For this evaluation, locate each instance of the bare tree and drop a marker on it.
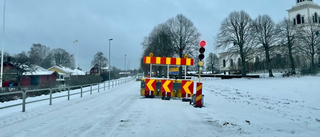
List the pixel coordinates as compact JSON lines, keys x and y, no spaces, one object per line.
{"x":99,"y":60}
{"x":309,"y":39}
{"x":236,"y":35}
{"x":62,"y":57}
{"x":264,"y":29}
{"x":159,"y":43}
{"x":38,"y":53}
{"x":184,"y":35}
{"x":212,"y":62}
{"x":287,"y":34}
{"x":177,"y":36}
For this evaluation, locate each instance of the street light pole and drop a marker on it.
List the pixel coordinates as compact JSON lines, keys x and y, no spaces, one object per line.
{"x":109,"y":62}
{"x":125,"y":67}
{"x":4,"y":13}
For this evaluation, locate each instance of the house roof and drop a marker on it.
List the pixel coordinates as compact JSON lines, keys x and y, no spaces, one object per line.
{"x":68,"y":70}
{"x":37,"y":70}
{"x":77,"y":72}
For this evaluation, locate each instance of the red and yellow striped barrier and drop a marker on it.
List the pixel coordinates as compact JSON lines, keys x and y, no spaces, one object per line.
{"x":199,"y":95}
{"x":168,"y":61}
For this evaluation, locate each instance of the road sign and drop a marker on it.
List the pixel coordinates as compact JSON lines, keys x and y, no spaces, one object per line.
{"x":187,"y":87}
{"x":166,"y":85}
{"x":150,"y":85}
{"x":174,"y":71}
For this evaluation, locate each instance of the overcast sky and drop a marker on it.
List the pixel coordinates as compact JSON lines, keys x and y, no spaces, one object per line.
{"x":57,"y":23}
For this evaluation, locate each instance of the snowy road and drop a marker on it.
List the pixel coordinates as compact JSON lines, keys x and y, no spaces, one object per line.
{"x":238,"y":107}
{"x":114,"y":112}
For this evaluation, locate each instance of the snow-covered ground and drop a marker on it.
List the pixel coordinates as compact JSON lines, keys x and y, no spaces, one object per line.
{"x":235,"y":107}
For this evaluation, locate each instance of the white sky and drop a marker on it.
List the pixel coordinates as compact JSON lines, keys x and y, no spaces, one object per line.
{"x":57,"y":23}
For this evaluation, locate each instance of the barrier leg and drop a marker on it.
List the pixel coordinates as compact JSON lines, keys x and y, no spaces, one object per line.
{"x":199,"y":95}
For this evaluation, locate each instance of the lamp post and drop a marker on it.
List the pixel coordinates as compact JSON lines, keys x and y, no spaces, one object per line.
{"x":109,"y":62}
{"x":4,"y":13}
{"x":125,"y":67}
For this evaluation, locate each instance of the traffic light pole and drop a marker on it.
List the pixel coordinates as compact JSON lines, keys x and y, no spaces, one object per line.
{"x":199,"y":73}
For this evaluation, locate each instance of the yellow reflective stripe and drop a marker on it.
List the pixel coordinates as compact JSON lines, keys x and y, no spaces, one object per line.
{"x":178,"y":61}
{"x":158,"y":60}
{"x":199,"y":87}
{"x":148,"y":59}
{"x":188,"y":62}
{"x":198,"y":98}
{"x":168,"y":61}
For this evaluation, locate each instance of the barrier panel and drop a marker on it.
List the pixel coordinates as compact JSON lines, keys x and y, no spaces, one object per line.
{"x":199,"y":97}
{"x":166,"y":87}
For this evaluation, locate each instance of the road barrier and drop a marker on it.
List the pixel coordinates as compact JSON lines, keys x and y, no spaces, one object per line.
{"x":199,"y":97}
{"x":84,"y":89}
{"x":151,"y":87}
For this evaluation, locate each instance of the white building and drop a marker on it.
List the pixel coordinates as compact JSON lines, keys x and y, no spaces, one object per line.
{"x":303,"y":11}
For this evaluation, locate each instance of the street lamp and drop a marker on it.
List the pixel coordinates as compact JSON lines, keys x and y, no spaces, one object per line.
{"x":125,"y":67}
{"x":4,"y":13}
{"x":109,"y":62}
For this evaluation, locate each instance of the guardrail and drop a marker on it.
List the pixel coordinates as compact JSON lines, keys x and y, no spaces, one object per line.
{"x":83,"y":89}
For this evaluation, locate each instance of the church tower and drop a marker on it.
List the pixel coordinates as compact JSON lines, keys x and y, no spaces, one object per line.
{"x":303,"y":11}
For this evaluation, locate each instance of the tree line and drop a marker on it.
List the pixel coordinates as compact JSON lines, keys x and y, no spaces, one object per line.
{"x":45,"y":57}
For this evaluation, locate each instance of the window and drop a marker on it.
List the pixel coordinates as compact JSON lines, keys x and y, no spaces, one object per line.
{"x":302,"y":20}
{"x":257,"y":59}
{"x":294,"y":21}
{"x":298,"y":19}
{"x":224,"y":63}
{"x":231,"y":62}
{"x":315,"y":18}
{"x":239,"y":62}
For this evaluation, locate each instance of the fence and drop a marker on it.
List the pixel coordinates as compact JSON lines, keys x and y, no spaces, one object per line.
{"x":83,"y":89}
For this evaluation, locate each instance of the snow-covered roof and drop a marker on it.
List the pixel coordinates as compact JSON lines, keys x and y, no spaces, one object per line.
{"x":77,"y":72}
{"x":37,"y":70}
{"x":63,"y":69}
{"x":69,"y":70}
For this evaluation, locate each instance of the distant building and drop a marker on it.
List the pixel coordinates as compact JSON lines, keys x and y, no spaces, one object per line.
{"x":303,"y":11}
{"x":97,"y":70}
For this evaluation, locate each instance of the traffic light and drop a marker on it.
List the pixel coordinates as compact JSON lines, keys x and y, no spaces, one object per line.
{"x":202,"y":50}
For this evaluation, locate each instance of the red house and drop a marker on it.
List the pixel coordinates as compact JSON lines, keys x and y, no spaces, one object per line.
{"x":39,"y":77}
{"x":97,"y":70}
{"x":36,"y":76}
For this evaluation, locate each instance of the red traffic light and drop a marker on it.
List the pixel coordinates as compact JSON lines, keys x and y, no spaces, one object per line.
{"x":202,"y":43}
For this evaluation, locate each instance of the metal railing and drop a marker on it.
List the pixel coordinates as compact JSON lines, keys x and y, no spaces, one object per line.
{"x":83,"y":89}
